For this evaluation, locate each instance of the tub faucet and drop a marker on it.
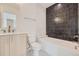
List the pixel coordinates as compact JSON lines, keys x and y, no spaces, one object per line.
{"x":77,"y":37}
{"x":76,"y":47}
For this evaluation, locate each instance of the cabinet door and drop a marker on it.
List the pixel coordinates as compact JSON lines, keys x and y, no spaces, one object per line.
{"x":4,"y":45}
{"x":18,"y":45}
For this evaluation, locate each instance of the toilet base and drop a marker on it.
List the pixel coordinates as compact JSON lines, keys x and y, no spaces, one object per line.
{"x":36,"y":48}
{"x":35,"y":52}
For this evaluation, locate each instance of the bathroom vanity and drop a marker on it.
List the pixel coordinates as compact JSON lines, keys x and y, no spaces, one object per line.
{"x":13,"y":44}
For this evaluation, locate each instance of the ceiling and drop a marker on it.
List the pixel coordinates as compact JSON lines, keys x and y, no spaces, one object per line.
{"x":45,"y":5}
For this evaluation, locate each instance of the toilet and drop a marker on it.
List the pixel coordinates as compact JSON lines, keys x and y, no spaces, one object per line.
{"x":35,"y":46}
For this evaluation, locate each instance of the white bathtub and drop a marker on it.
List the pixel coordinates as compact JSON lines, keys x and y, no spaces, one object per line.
{"x":57,"y":47}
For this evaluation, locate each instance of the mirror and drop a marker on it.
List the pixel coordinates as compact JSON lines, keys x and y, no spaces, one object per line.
{"x":8,"y":17}
{"x":9,"y":22}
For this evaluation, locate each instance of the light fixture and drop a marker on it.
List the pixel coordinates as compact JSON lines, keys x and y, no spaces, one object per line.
{"x":59,"y":6}
{"x":58,"y":20}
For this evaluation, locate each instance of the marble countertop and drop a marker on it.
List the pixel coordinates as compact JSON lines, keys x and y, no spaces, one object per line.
{"x":12,"y":33}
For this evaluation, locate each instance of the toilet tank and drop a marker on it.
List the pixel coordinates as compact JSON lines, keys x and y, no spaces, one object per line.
{"x":32,"y":38}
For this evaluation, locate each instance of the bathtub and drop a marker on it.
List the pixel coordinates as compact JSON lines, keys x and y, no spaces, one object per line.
{"x":57,"y":47}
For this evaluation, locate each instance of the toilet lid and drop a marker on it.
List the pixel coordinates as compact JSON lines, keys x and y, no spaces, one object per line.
{"x":36,"y":45}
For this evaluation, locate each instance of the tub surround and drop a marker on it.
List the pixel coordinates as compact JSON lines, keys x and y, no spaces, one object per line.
{"x":62,"y":21}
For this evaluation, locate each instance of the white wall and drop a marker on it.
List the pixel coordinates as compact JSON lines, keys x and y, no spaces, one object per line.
{"x":36,"y":13}
{"x":78,"y":18}
{"x":41,"y":20}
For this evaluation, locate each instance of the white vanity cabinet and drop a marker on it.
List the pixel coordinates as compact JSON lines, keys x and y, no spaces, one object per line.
{"x":13,"y":45}
{"x":4,"y":45}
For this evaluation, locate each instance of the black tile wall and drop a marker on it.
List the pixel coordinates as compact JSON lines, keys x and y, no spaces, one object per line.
{"x":65,"y":28}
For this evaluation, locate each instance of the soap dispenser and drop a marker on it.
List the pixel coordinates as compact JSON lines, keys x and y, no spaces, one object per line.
{"x":9,"y":28}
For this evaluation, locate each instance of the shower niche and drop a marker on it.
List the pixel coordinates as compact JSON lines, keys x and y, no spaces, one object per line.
{"x":62,"y":21}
